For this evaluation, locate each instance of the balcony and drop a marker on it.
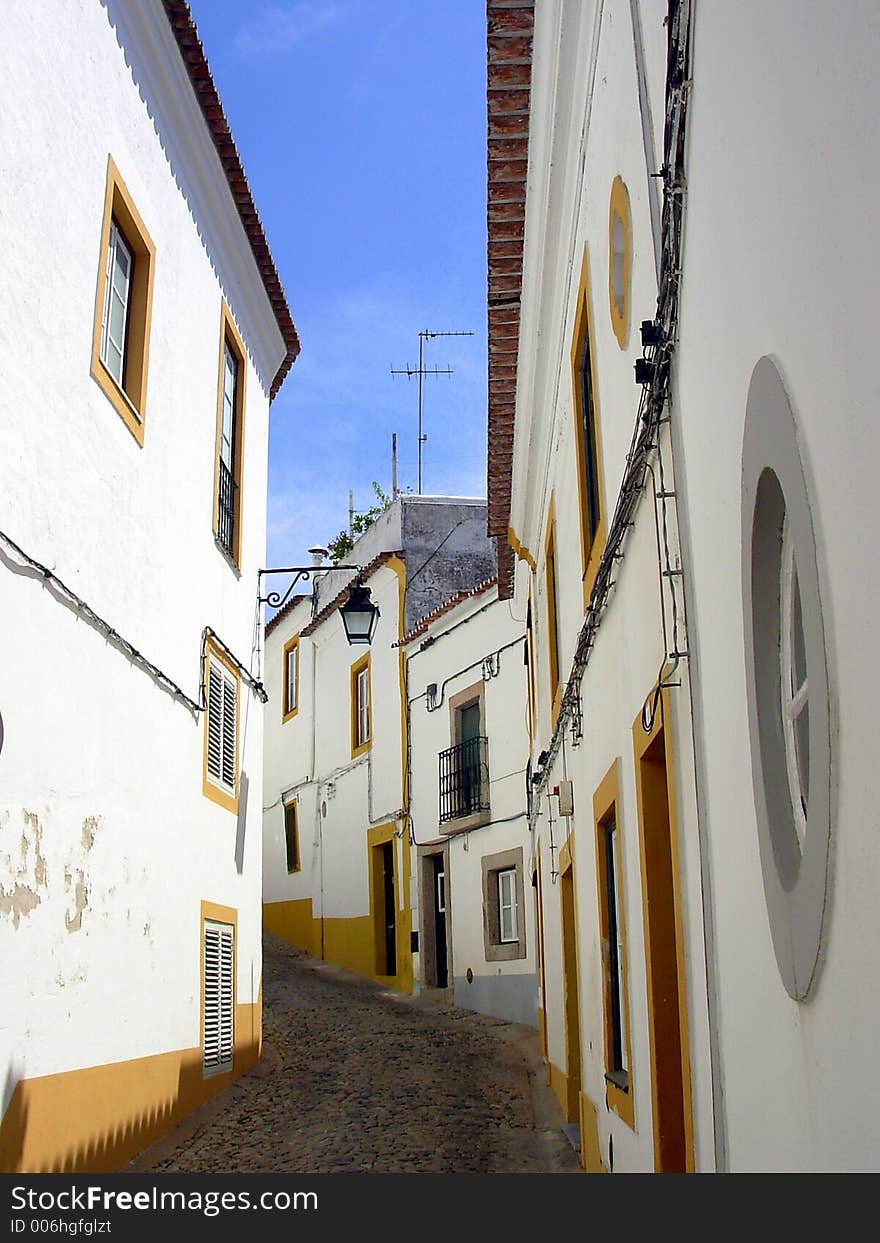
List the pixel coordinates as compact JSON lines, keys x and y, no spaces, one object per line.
{"x":464,"y":784}
{"x":226,"y":508}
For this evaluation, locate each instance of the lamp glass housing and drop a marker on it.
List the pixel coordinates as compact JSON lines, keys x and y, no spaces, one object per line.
{"x":359,"y":615}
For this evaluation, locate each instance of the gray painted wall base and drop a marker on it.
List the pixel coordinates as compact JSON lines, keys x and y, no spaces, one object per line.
{"x":511,"y":997}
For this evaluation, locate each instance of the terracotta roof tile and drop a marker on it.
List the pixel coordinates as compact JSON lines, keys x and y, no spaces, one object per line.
{"x":193,"y":56}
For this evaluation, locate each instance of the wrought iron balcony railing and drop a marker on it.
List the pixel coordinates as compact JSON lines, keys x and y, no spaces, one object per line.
{"x":464,"y":779}
{"x":226,"y":507}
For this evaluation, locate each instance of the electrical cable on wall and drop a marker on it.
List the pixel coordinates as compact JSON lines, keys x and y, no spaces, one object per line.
{"x":653,"y":373}
{"x":51,"y":580}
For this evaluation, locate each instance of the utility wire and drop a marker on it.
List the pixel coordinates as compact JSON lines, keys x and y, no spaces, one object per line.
{"x":59,"y":587}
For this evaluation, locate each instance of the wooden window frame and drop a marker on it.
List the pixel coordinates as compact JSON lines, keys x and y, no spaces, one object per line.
{"x":210,"y":788}
{"x":619,"y":1091}
{"x":291,"y":829}
{"x":287,"y":713}
{"x":229,"y":337}
{"x":492,"y":866}
{"x":360,"y":745}
{"x":129,"y":399}
{"x":212,"y":913}
{"x":592,"y":542}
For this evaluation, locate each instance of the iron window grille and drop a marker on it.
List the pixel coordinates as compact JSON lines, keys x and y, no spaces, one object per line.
{"x":226,"y":507}
{"x":464,"y":779}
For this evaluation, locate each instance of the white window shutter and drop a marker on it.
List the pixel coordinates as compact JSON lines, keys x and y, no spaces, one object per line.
{"x":215,"y":722}
{"x":218,"y":1032}
{"x":230,"y":696}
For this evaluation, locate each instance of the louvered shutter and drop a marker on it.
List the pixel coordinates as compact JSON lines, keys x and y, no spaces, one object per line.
{"x":230,"y":692}
{"x":215,"y":722}
{"x":218,"y":1034}
{"x":222,"y":726}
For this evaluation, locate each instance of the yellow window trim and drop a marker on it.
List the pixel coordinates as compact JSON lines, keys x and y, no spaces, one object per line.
{"x":212,"y":911}
{"x":359,"y":748}
{"x":209,"y":789}
{"x":618,"y":209}
{"x":292,"y":805}
{"x":128,"y":402}
{"x":289,"y":647}
{"x":229,"y":334}
{"x":606,"y":806}
{"x":591,"y":547}
{"x":552,"y":585}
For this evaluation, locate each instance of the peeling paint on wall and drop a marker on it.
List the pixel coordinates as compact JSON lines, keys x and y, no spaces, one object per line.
{"x":22,"y":879}
{"x":73,"y":922}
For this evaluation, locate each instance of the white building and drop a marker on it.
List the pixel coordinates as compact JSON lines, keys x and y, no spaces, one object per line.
{"x":469,"y":747}
{"x":700,"y":608}
{"x":338,"y":858}
{"x":143,"y":332}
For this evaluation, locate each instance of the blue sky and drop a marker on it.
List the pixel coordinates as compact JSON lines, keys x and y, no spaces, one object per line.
{"x":361,"y":127}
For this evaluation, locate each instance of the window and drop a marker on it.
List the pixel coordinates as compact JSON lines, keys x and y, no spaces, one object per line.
{"x":290,"y":679}
{"x":123,"y":306}
{"x":606,"y":802}
{"x":463,"y":768}
{"x":220,"y":781}
{"x":619,"y":260}
{"x":230,"y":428}
{"x":787,"y":681}
{"x":361,"y":707}
{"x":586,"y":426}
{"x":291,"y":836}
{"x":552,"y":613}
{"x":218,"y":996}
{"x":507,"y":925}
{"x":504,"y":936}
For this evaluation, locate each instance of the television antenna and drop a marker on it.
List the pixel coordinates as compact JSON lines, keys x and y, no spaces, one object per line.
{"x":421,"y":371}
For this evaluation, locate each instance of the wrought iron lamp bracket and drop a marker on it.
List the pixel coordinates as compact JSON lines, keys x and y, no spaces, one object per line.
{"x":276,"y":600}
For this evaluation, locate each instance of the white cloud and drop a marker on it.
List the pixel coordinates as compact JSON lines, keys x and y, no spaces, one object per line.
{"x":278,"y":28}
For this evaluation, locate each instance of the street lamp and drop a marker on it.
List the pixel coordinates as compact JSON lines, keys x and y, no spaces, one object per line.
{"x":359,"y":613}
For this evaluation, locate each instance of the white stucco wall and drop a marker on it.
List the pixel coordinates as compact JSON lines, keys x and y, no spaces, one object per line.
{"x":103,"y":827}
{"x":360,"y":792}
{"x":780,"y":260}
{"x":586,"y":129}
{"x":450,"y":653}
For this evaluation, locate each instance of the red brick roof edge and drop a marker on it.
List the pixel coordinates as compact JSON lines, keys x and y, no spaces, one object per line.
{"x":341,"y":596}
{"x":192,"y":53}
{"x":282,"y":613}
{"x":510,"y":26}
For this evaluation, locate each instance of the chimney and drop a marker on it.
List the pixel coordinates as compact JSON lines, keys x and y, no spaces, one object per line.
{"x":318,"y":553}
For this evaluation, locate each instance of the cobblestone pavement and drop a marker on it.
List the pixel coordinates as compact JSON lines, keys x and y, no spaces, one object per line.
{"x":357,"y":1079}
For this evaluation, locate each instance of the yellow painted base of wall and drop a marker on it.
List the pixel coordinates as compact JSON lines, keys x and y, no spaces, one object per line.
{"x":97,"y":1119}
{"x":559,"y":1084}
{"x":591,"y":1156}
{"x":349,"y":943}
{"x":293,"y":922}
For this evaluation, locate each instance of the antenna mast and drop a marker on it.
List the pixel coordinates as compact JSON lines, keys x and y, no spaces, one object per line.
{"x":422,"y":371}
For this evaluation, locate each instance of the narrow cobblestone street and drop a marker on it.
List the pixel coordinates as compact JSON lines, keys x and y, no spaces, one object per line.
{"x":357,"y":1079}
